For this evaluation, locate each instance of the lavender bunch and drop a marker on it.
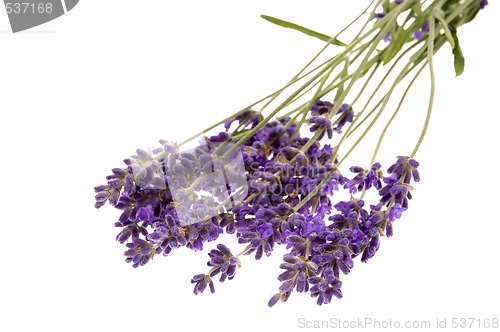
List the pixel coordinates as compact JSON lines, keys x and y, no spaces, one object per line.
{"x":269,"y":181}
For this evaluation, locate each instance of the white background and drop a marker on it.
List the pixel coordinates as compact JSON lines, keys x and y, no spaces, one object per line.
{"x":81,"y":93}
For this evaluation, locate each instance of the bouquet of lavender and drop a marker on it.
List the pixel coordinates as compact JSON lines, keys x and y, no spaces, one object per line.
{"x":275,"y":174}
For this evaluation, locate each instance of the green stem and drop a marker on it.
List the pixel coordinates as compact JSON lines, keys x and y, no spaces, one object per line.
{"x":430,"y":56}
{"x":406,"y":70}
{"x":382,"y":134}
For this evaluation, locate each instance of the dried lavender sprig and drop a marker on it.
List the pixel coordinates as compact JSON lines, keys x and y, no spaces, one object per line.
{"x":294,"y":218}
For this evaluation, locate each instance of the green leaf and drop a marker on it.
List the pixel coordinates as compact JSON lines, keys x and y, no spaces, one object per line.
{"x":459,"y":60}
{"x":309,"y":32}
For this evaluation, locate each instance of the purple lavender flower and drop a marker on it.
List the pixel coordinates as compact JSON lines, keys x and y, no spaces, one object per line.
{"x":378,"y":16}
{"x":295,"y":277}
{"x":371,"y":248}
{"x":139,"y":252}
{"x":395,"y":212}
{"x":144,"y":213}
{"x":221,"y":261}
{"x":320,"y":113}
{"x":419,"y":34}
{"x":201,"y":281}
{"x":397,"y":191}
{"x":321,"y":123}
{"x":246,"y":118}
{"x":280,"y":173}
{"x":321,"y":107}
{"x":326,"y":287}
{"x":346,"y":115}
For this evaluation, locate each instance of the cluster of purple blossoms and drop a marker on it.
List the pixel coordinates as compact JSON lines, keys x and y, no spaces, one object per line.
{"x":274,"y":188}
{"x":321,"y":118}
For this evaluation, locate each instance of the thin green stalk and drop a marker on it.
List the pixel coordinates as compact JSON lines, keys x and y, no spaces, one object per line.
{"x":350,"y":131}
{"x":406,"y":70}
{"x":273,"y":113}
{"x":430,"y":56}
{"x":386,"y":127}
{"x":347,"y":50}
